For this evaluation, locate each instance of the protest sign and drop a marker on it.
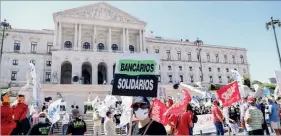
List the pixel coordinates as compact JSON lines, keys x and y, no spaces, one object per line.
{"x":205,"y":124}
{"x":54,"y":110}
{"x":136,"y":75}
{"x":229,"y":94}
{"x":158,"y":109}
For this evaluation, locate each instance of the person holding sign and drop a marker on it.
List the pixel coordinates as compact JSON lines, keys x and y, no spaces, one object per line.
{"x":42,"y":127}
{"x":146,"y":126}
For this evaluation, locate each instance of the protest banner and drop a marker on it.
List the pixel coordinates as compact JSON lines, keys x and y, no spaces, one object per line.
{"x":158,"y":109}
{"x":136,"y":75}
{"x":229,"y":94}
{"x":205,"y":124}
{"x":278,"y":80}
{"x":54,"y":110}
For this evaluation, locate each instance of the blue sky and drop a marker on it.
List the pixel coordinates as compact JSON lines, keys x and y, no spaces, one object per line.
{"x":228,"y":23}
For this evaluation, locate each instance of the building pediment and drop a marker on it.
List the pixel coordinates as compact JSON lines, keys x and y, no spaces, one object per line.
{"x":99,"y":11}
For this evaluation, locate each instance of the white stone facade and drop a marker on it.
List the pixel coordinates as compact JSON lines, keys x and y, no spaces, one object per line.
{"x":86,"y":41}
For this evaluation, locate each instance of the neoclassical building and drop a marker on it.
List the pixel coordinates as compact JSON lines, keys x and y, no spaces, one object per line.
{"x":87,"y":40}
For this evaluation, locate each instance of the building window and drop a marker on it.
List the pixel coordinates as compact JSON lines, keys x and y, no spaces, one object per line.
{"x":15,"y":62}
{"x":48,"y":77}
{"x":244,"y":70}
{"x":179,"y":55}
{"x":220,"y":80}
{"x":156,"y":50}
{"x":49,"y":46}
{"x":208,"y":57}
{"x":86,"y":45}
{"x":33,"y":62}
{"x":227,"y":69}
{"x":228,"y":78}
{"x":159,"y":67}
{"x":211,"y":79}
{"x":169,"y":68}
{"x":17,"y":46}
{"x":191,"y":79}
{"x":114,"y":47}
{"x":14,"y":75}
{"x":190,"y":68}
{"x":131,"y":48}
{"x":219,"y":69}
{"x":242,"y":59}
{"x":180,"y":68}
{"x":100,"y":46}
{"x":235,"y":69}
{"x":217,"y":58}
{"x":189,"y":56}
{"x":159,"y":78}
{"x":48,"y":63}
{"x":210,"y":69}
{"x":225,"y":58}
{"x":33,"y":46}
{"x":68,"y":44}
{"x":168,"y":54}
{"x":170,"y":79}
{"x":181,"y":78}
{"x":198,"y":56}
{"x":233,"y":58}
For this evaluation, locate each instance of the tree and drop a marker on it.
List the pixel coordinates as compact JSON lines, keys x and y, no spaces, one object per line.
{"x":256,"y":82}
{"x":247,"y":81}
{"x":230,"y":80}
{"x":268,"y":85}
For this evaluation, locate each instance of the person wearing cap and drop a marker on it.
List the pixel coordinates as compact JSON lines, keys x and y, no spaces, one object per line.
{"x":145,"y":126}
{"x":77,"y":126}
{"x":20,"y":111}
{"x":218,"y":118}
{"x":253,"y":118}
{"x":42,"y":127}
{"x":274,"y":116}
{"x":7,"y":122}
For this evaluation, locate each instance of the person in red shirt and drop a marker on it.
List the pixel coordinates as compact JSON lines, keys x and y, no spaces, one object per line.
{"x":181,"y":123}
{"x":218,"y":118}
{"x":20,"y":111}
{"x":7,"y":122}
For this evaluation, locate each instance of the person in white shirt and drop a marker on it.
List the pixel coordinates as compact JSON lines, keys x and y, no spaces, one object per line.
{"x":109,"y":125}
{"x":65,"y":121}
{"x":97,"y":123}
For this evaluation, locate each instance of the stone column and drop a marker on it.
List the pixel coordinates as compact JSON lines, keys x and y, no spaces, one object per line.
{"x":75,"y":36}
{"x":94,"y":39}
{"x":140,"y":48}
{"x":109,"y":40}
{"x":55,"y":43}
{"x":79,"y":37}
{"x":94,"y":74}
{"x":124,"y":40}
{"x":60,"y":34}
{"x":127,"y":39}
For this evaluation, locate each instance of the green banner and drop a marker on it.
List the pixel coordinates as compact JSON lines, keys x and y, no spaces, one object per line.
{"x":137,"y":67}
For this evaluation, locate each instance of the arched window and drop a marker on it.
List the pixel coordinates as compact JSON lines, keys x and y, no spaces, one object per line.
{"x":242,"y":59}
{"x":100,"y":46}
{"x":86,"y":45}
{"x":114,"y":47}
{"x":131,"y":48}
{"x":67,"y":44}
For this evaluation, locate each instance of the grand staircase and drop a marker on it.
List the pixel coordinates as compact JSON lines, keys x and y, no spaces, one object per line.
{"x":88,"y":118}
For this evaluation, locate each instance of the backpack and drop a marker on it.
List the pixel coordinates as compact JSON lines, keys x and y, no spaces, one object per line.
{"x":194,"y":118}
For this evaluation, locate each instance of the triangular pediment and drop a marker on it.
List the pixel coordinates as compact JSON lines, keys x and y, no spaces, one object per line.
{"x":100,"y":11}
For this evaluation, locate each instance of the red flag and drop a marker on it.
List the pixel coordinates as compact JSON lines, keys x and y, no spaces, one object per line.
{"x":178,"y":107}
{"x":229,"y":94}
{"x":158,"y":109}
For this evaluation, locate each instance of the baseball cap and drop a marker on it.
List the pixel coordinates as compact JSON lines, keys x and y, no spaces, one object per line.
{"x":75,"y":111}
{"x":141,"y":100}
{"x":251,"y":99}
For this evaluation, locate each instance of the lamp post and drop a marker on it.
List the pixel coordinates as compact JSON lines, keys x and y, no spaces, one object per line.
{"x":198,"y":43}
{"x":273,"y":23}
{"x":4,"y":27}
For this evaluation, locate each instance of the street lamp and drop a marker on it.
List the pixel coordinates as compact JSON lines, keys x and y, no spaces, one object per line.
{"x":273,"y":23}
{"x":4,"y":27}
{"x":198,"y":43}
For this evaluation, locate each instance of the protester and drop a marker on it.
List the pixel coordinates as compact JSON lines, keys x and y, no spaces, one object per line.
{"x":109,"y":126}
{"x":261,"y":106}
{"x":243,"y":108}
{"x":192,"y":117}
{"x":233,"y":120}
{"x":35,"y":117}
{"x":97,"y":123}
{"x":145,"y":126}
{"x":218,"y":118}
{"x":7,"y":122}
{"x":77,"y":126}
{"x":169,"y":129}
{"x":253,"y":118}
{"x":274,"y":116}
{"x":65,"y":121}
{"x":42,"y":127}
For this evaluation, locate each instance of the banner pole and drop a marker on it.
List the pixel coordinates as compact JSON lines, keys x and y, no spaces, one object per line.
{"x":131,"y":119}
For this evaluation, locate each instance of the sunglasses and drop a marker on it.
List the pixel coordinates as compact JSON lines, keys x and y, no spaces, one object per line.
{"x":140,"y":105}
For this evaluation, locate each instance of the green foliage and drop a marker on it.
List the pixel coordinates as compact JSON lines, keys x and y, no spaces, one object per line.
{"x":247,"y":81}
{"x":231,"y":80}
{"x":268,"y":85}
{"x":256,"y":82}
